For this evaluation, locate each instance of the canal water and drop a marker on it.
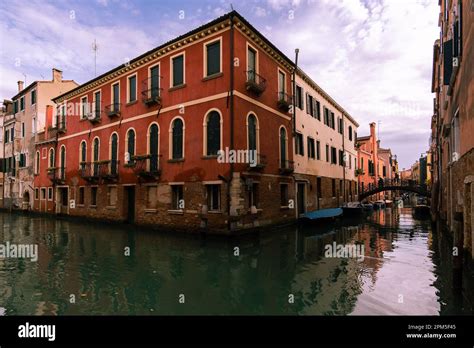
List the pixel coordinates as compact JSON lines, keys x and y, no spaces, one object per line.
{"x":85,"y":268}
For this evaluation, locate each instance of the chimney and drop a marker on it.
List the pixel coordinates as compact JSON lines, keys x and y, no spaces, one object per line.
{"x":20,"y":86}
{"x":372,"y":130}
{"x":49,"y":121}
{"x":378,"y":144}
{"x":57,"y":75}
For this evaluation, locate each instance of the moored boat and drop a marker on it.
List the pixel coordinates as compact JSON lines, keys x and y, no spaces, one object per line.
{"x":367,"y":206}
{"x":380,"y":204}
{"x":352,"y":209}
{"x":321,"y":214}
{"x":388,"y":203}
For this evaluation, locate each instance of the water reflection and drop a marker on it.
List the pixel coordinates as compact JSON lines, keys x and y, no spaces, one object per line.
{"x":406,"y":270}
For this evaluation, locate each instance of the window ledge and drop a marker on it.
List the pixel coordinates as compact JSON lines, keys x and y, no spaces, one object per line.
{"x":176,"y":212}
{"x":213,"y":76}
{"x":176,"y":160}
{"x":284,"y":207}
{"x":208,"y":157}
{"x":131,"y":103}
{"x":79,"y":205}
{"x":93,"y":206}
{"x":150,"y":210}
{"x":174,"y":88}
{"x":214,"y":212}
{"x":111,"y":207}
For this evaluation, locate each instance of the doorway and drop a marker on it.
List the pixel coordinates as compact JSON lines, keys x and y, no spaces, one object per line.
{"x":301,"y":201}
{"x":63,"y":200}
{"x":129,"y":204}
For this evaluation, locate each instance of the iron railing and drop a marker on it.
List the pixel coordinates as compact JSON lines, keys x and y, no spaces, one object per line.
{"x":254,"y":82}
{"x":151,"y":94}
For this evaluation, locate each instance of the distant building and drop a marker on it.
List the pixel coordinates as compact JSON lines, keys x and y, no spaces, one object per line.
{"x":20,"y":131}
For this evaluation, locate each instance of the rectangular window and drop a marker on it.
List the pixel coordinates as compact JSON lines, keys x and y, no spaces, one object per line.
{"x":299,"y":97}
{"x":251,"y":64}
{"x":36,"y":193}
{"x":214,"y":197}
{"x":115,"y":96}
{"x":299,"y":144}
{"x":283,"y":195}
{"x":50,"y":193}
{"x":15,"y":107}
{"x":327,"y":153}
{"x":81,"y":196}
{"x":318,"y":150}
{"x":333,"y":155}
{"x":22,"y":103}
{"x":112,"y":196}
{"x":213,"y":54}
{"x":341,"y":158}
{"x":253,"y":196}
{"x":177,"y":197}
{"x":326,"y":116}
{"x":132,"y":88}
{"x":151,"y":197}
{"x":12,"y":133}
{"x":43,"y":193}
{"x":340,"y":127}
{"x":178,"y":70}
{"x":33,"y":97}
{"x":311,"y":149}
{"x":93,"y":196}
{"x":97,"y":104}
{"x":281,"y":83}
{"x":334,"y":187}
{"x":384,"y":171}
{"x":317,"y":108}
{"x":84,"y":107}
{"x":333,"y":121}
{"x":340,"y":188}
{"x":23,"y":129}
{"x":7,"y":135}
{"x":350,"y":162}
{"x":22,"y":163}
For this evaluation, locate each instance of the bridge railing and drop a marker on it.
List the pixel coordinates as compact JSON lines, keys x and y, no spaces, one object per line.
{"x":391,"y":183}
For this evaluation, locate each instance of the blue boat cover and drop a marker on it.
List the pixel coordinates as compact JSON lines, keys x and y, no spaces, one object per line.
{"x":323,"y":213}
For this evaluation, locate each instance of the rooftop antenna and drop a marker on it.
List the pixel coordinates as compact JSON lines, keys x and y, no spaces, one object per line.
{"x":95,"y":47}
{"x":24,"y":77}
{"x":232,"y":7}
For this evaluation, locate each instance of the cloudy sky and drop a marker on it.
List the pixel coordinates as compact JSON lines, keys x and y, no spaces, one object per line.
{"x":372,"y":56}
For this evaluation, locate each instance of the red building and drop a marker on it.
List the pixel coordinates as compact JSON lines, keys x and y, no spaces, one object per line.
{"x":141,"y":142}
{"x":368,"y":171}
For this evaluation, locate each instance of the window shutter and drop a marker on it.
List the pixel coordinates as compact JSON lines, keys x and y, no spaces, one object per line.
{"x":448,"y":61}
{"x":456,"y":39}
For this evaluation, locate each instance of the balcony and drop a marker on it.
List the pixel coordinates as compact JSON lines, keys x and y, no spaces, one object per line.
{"x":57,"y":175}
{"x":151,"y":93}
{"x":61,"y":124}
{"x":284,"y":101}
{"x":108,"y":170}
{"x":95,"y":116}
{"x":255,"y":83}
{"x":286,"y":167}
{"x":260,"y":163}
{"x":113,"y":110}
{"x":146,"y":166}
{"x":89,"y":171}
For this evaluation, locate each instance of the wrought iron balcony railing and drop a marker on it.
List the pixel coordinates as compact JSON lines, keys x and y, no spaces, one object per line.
{"x":95,"y":115}
{"x":61,"y":124}
{"x":146,"y":166}
{"x":57,"y":175}
{"x":113,"y":110}
{"x":151,"y":92}
{"x":255,"y":83}
{"x":89,"y":171}
{"x":259,"y":162}
{"x":284,"y":101}
{"x":286,"y":166}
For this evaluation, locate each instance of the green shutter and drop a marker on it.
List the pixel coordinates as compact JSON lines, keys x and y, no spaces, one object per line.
{"x":213,"y":58}
{"x":178,"y":70}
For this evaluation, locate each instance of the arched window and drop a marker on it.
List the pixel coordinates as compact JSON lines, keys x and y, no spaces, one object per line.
{"x":51,"y":158}
{"x":177,"y":139}
{"x":213,"y":133}
{"x":130,"y":144}
{"x":114,"y":154}
{"x":283,"y":151}
{"x":37,"y":162}
{"x":350,"y":133}
{"x":62,"y":171}
{"x":95,"y":156}
{"x":82,"y":155}
{"x":153,"y":147}
{"x":252,"y":132}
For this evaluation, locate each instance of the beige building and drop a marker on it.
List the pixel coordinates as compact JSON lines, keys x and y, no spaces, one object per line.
{"x":324,"y":151}
{"x":19,"y":136}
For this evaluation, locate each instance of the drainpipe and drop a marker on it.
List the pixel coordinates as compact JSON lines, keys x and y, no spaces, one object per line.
{"x":297,"y":51}
{"x":231,"y":107}
{"x":344,"y":163}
